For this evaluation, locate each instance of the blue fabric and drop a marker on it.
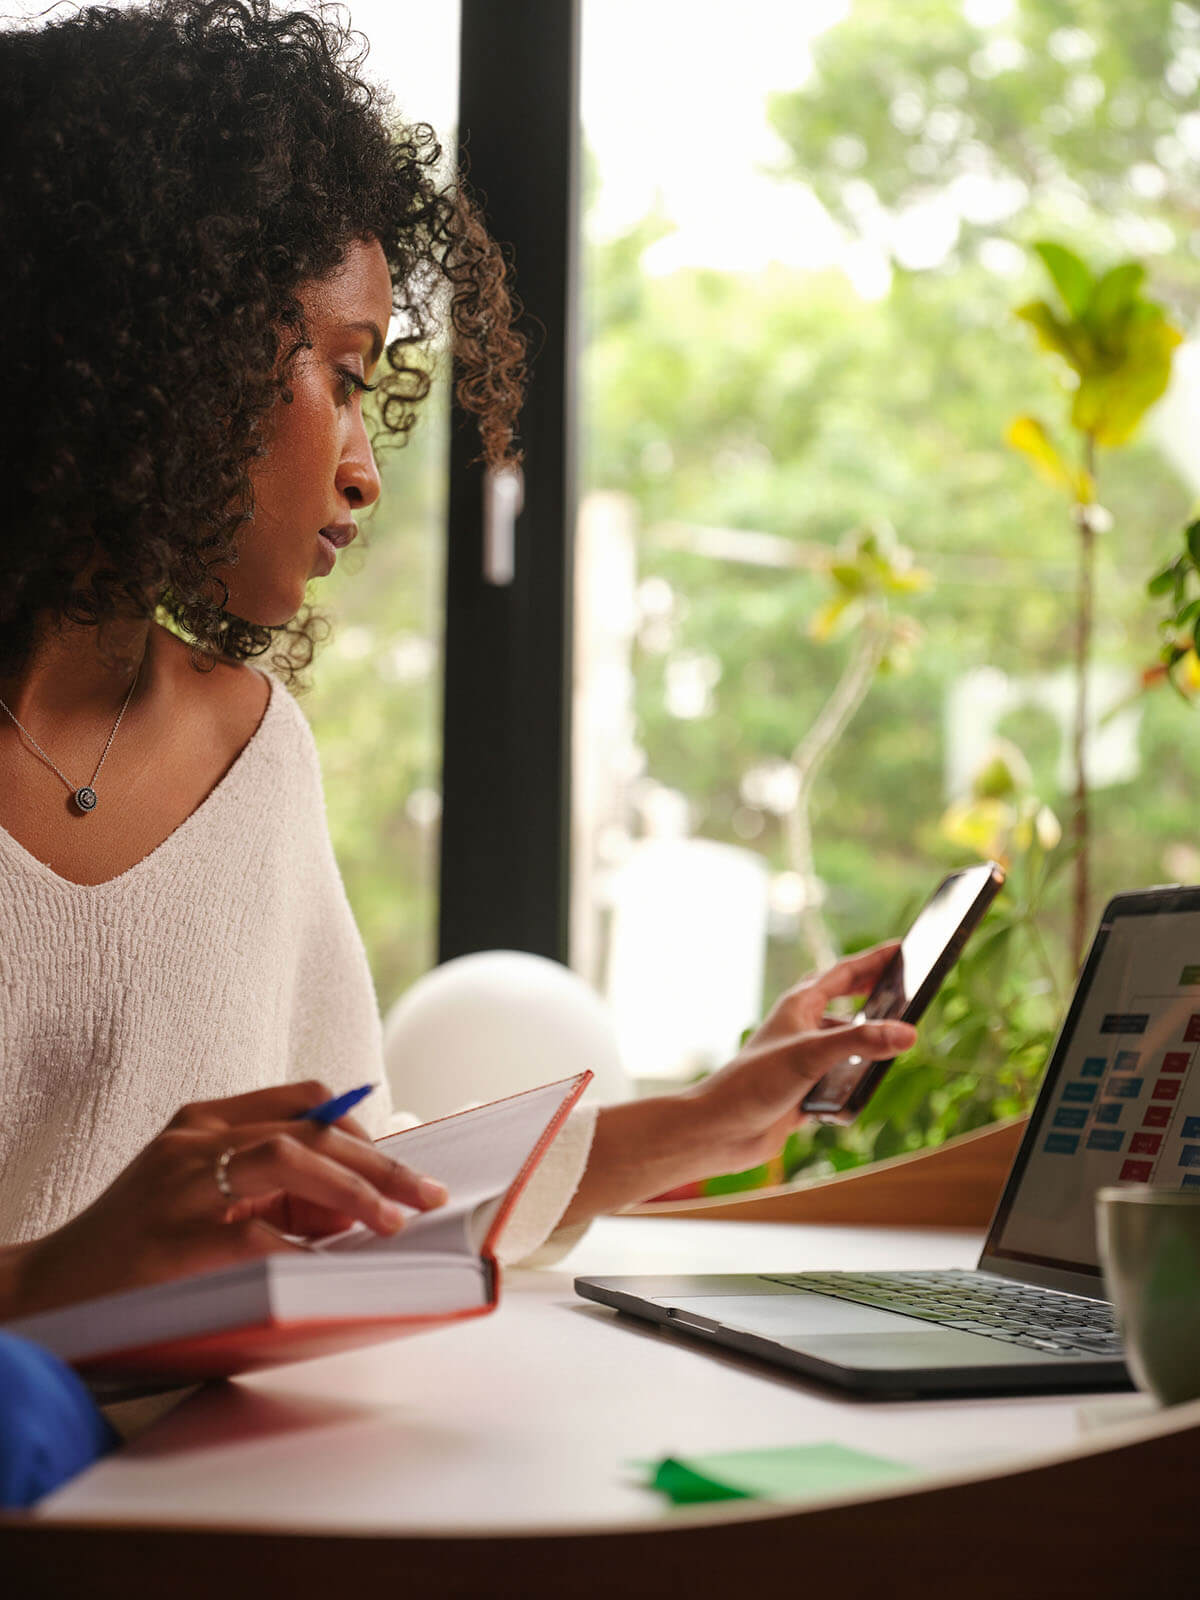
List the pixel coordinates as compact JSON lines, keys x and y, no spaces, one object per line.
{"x":50,"y":1428}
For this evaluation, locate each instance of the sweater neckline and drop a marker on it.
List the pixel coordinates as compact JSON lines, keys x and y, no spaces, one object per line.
{"x":156,"y":856}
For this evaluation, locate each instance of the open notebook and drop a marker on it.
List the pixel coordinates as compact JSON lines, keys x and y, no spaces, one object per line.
{"x":354,"y":1288}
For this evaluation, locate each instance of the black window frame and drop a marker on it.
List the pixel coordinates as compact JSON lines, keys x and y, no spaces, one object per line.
{"x":504,"y":878}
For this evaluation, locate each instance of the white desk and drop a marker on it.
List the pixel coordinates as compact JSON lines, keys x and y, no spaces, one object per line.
{"x":521,"y":1426}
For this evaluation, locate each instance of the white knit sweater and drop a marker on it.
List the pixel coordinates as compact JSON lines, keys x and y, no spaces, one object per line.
{"x":226,"y":960}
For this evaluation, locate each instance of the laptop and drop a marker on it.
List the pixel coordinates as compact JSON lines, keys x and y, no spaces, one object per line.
{"x":1119,"y":1103}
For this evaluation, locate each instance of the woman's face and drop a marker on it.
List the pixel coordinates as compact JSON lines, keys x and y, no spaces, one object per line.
{"x":319,"y":466}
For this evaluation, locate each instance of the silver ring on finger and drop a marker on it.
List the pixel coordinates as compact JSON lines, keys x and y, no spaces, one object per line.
{"x":221,"y":1173}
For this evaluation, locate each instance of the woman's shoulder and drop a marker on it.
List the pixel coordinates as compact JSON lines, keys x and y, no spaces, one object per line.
{"x":228,"y":701}
{"x":231,"y":683}
{"x":235,"y":698}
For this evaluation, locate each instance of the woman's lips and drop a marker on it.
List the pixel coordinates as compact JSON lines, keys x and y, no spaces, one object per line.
{"x":332,"y":539}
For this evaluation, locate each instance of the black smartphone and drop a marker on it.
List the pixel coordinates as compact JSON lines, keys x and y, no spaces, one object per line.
{"x":908,"y":983}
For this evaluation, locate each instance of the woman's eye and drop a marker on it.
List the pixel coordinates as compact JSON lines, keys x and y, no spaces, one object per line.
{"x":351,"y":384}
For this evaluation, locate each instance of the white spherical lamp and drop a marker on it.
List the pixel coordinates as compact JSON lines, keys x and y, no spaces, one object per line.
{"x":487,"y":1025}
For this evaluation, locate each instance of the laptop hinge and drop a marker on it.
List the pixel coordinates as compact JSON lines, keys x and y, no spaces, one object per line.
{"x":1091,"y":1285}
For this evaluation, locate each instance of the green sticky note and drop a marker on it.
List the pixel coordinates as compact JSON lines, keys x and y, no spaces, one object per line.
{"x":681,"y":1481}
{"x":790,"y":1473}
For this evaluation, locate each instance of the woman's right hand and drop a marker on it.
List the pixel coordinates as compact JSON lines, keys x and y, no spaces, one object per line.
{"x":165,"y":1216}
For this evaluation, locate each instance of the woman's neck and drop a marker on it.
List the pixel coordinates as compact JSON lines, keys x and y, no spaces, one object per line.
{"x":74,"y":673}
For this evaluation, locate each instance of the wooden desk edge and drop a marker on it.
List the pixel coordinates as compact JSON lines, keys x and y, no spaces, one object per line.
{"x":1083,"y":1519}
{"x":954,"y":1185}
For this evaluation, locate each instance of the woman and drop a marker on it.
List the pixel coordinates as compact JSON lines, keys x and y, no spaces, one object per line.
{"x":211,"y":224}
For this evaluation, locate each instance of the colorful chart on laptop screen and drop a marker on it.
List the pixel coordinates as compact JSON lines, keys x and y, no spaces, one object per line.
{"x":1124,"y":1105}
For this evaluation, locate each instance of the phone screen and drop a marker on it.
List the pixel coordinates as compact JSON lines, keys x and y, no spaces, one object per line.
{"x":910,"y":980}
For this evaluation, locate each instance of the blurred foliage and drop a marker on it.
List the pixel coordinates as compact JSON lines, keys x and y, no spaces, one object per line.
{"x":782,"y":401}
{"x":869,"y":570}
{"x":982,"y":1045}
{"x":1058,"y":117}
{"x":987,"y":1034}
{"x":839,"y":411}
{"x":1179,"y":580}
{"x":1113,"y":348}
{"x":1002,"y":818}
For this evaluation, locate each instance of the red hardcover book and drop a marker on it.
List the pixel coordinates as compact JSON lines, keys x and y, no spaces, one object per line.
{"x":356,"y":1288}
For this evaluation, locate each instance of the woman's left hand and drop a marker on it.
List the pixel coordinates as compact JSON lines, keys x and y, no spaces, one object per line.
{"x":753,"y":1103}
{"x":740,"y":1116}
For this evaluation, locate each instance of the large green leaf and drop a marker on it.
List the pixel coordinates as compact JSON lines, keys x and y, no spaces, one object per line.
{"x":1119,"y":344}
{"x":1053,"y":334}
{"x":1109,"y":405}
{"x":1163,"y":582}
{"x":1071,"y":275}
{"x":1115,"y":293}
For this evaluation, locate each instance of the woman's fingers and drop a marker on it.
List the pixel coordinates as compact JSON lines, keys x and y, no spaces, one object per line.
{"x":788,"y":1067}
{"x":286,"y":1102}
{"x":856,"y":974}
{"x":871,"y":1041}
{"x":353,"y":1126}
{"x":280,"y":1158}
{"x":281,"y":1164}
{"x":289,"y":1214}
{"x":280,"y":1103}
{"x":334,"y":1171}
{"x":392,"y":1178}
{"x":803,"y":1007}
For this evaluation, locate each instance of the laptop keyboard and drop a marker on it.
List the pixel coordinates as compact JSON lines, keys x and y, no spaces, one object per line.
{"x":1017,"y":1313}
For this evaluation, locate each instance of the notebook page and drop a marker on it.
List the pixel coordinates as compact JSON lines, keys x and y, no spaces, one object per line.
{"x":478,"y":1154}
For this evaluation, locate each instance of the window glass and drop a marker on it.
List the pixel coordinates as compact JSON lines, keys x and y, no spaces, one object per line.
{"x":825,"y":612}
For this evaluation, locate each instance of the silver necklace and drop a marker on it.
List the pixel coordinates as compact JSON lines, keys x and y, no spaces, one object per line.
{"x":85,"y":798}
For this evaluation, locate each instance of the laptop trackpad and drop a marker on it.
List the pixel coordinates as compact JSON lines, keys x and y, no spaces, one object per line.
{"x":802,"y":1312}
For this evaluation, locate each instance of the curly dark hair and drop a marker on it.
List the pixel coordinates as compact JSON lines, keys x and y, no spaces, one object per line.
{"x":173,"y":174}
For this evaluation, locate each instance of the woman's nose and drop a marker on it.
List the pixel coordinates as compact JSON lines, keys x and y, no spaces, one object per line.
{"x":358,"y":475}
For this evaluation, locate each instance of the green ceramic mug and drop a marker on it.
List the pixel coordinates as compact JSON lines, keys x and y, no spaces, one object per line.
{"x":1150,"y":1250}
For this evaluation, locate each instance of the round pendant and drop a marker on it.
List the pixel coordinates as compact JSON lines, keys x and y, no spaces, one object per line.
{"x":85,"y":799}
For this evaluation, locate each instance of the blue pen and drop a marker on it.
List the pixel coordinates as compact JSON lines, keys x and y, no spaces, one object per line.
{"x":332,"y":1110}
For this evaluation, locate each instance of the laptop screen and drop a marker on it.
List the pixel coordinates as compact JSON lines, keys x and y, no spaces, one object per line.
{"x":1121,"y":1099}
